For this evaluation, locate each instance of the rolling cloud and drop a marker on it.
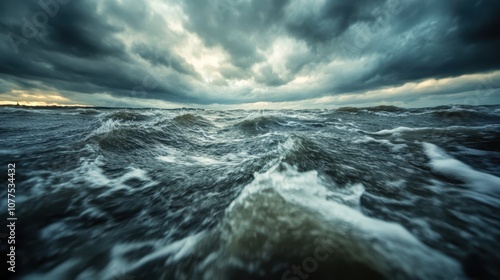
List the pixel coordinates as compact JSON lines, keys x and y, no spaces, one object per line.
{"x":291,"y":53}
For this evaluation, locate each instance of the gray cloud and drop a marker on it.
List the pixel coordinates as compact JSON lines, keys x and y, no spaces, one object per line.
{"x":460,"y":38}
{"x":235,"y":51}
{"x":331,"y":20}
{"x":156,"y":56}
{"x":240,"y":27}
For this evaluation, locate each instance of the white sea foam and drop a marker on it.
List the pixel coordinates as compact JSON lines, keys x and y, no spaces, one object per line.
{"x":402,"y":129}
{"x":106,"y":127}
{"x":347,"y":127}
{"x":475,"y":152}
{"x":91,"y":171}
{"x":399,"y":130}
{"x":176,"y":157}
{"x":445,"y":164}
{"x":175,"y":251}
{"x":169,"y":159}
{"x":394,"y":147}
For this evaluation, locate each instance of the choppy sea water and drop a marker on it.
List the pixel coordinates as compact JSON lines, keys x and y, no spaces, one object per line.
{"x":350,"y":193}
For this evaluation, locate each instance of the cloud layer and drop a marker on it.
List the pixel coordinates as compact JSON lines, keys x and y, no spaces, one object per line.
{"x":236,"y":52}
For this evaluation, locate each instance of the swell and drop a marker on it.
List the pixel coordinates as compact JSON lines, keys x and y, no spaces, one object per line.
{"x":126,"y":116}
{"x":259,"y":124}
{"x":121,"y":137}
{"x":190,"y":120}
{"x":306,"y":153}
{"x":128,"y":130}
{"x":464,"y":114}
{"x":382,"y":108}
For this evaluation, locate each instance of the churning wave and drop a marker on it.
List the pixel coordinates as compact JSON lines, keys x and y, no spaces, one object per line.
{"x":351,"y":193}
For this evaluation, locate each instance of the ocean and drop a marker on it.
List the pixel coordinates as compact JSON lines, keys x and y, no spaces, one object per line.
{"x":349,"y":193}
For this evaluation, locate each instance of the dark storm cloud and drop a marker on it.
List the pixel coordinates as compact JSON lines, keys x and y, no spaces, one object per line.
{"x":164,"y":57}
{"x":76,"y":50}
{"x":465,"y":40}
{"x":136,"y":48}
{"x":74,"y":28}
{"x":332,"y":20}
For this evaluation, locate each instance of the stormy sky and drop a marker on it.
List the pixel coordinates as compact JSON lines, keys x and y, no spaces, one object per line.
{"x":250,"y":53}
